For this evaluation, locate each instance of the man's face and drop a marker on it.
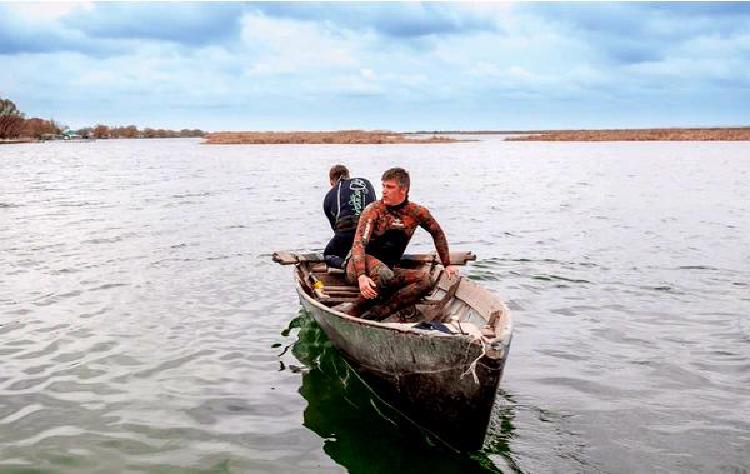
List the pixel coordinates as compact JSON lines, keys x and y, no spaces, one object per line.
{"x":393,"y":194}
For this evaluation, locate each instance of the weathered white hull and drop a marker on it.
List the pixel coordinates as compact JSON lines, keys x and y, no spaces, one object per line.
{"x":446,"y":383}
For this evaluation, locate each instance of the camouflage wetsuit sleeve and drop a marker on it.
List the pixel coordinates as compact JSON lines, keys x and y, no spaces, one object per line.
{"x":362,"y":238}
{"x":428,"y":223}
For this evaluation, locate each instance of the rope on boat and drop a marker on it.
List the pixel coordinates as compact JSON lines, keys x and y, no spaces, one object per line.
{"x":473,"y":366}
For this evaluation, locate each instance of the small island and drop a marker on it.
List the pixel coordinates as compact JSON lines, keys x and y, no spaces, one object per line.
{"x":341,"y":137}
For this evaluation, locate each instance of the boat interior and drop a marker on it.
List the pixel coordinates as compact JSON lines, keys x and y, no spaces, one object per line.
{"x":455,"y":306}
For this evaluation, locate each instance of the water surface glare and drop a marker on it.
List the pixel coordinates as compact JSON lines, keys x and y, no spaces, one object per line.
{"x":143,"y":326}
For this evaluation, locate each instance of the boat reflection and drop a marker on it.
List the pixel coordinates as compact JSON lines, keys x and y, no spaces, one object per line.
{"x":361,"y":432}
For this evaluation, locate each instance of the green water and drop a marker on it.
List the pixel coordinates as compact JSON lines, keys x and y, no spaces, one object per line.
{"x":361,"y":432}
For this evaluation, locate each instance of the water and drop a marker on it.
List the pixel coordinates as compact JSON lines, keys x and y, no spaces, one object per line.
{"x":143,"y":326}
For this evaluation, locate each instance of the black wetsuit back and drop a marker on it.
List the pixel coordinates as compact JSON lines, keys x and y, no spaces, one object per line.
{"x":342,"y":206}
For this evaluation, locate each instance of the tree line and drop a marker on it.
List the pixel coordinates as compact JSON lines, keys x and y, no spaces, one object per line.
{"x":131,"y":131}
{"x":15,"y":125}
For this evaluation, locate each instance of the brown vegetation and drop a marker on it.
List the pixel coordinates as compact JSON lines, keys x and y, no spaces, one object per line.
{"x":348,"y":137}
{"x":131,"y":131}
{"x":11,"y":120}
{"x":654,"y":134}
{"x":18,"y":129}
{"x":36,"y":127}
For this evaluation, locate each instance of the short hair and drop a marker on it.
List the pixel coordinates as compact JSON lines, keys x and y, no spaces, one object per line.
{"x":399,"y":175}
{"x":338,"y":172}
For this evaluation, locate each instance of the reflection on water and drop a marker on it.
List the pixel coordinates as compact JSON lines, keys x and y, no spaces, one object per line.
{"x":362,"y":433}
{"x":501,"y":432}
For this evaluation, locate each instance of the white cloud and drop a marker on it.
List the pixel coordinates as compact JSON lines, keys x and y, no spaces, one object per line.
{"x":43,"y":12}
{"x":453,"y":70}
{"x":280,"y":46}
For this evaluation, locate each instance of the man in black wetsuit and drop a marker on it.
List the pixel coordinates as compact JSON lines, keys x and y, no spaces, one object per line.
{"x":342,"y":205}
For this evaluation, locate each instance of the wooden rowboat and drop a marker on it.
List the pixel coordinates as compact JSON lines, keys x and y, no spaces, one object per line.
{"x":440,"y":366}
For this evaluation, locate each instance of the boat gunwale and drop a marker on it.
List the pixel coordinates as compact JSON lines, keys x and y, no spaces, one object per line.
{"x":486,"y":359}
{"x":503,"y":327}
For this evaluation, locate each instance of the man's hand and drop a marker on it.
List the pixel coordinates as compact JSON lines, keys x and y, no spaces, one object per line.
{"x":451,"y":271}
{"x":367,"y":287}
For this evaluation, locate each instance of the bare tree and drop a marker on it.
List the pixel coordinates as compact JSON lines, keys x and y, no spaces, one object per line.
{"x":36,"y":127}
{"x":101,"y":131}
{"x":131,"y":131}
{"x":11,"y":119}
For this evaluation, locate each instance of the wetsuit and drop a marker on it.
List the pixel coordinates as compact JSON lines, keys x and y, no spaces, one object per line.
{"x":382,"y":235}
{"x":342,"y":206}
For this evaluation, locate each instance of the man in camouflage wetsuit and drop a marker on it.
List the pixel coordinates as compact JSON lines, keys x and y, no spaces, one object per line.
{"x":383,"y":232}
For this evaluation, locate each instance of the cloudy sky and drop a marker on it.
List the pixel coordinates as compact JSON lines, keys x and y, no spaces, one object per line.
{"x":400,"y":66}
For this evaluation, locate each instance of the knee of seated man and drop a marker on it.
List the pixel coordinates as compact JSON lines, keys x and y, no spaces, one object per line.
{"x":385,"y":275}
{"x":425,"y":282}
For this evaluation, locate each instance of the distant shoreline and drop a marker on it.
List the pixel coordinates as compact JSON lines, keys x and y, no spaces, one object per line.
{"x":351,"y":137}
{"x":384,"y":137}
{"x":643,"y":134}
{"x":342,"y":137}
{"x":663,"y":134}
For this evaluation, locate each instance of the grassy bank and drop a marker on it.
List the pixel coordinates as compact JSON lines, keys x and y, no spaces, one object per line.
{"x":347,"y":137}
{"x":653,"y":134}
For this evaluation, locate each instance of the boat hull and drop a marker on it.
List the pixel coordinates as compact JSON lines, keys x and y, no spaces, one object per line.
{"x":427,"y":375}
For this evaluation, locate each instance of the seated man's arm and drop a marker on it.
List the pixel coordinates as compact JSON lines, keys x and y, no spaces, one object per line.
{"x":361,"y":239}
{"x":428,"y":223}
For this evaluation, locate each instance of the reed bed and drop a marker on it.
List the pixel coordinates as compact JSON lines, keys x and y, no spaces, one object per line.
{"x":656,"y":134}
{"x":345,"y":137}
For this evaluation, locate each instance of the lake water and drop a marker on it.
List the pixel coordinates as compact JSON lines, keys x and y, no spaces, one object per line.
{"x":143,"y":326}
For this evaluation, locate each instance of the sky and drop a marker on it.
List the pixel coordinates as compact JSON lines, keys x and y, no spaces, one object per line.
{"x":397,"y":66}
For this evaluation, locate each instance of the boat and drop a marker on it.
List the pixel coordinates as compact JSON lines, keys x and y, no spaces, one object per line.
{"x":438,"y":364}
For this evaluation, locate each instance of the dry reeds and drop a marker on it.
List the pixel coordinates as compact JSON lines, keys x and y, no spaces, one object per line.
{"x":654,"y":134}
{"x":346,"y":137}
